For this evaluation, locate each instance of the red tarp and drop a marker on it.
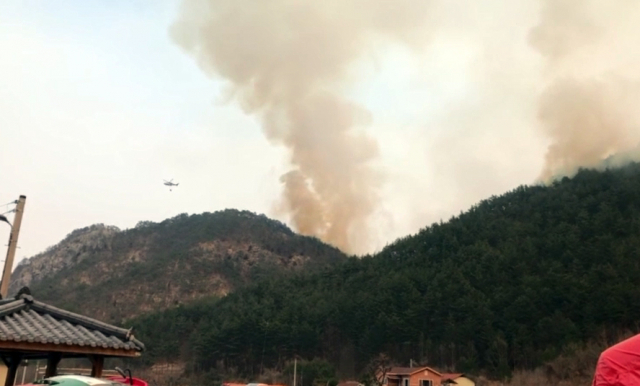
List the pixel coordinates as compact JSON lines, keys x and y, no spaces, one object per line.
{"x":619,"y":365}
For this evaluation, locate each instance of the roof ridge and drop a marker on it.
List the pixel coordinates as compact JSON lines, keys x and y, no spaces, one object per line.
{"x":81,"y":319}
{"x":12,"y":307}
{"x":412,"y":370}
{"x":137,"y":342}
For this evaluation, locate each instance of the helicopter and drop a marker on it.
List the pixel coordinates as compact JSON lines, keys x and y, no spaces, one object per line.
{"x":170,"y":183}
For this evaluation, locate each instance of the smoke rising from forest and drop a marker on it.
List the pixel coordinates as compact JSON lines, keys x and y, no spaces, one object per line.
{"x":290,"y":63}
{"x":589,"y":108}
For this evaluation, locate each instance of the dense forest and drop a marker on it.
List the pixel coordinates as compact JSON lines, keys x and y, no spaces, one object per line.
{"x":506,"y":285}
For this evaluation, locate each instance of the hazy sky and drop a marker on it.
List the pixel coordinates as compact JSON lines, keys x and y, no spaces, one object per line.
{"x":98,"y":105}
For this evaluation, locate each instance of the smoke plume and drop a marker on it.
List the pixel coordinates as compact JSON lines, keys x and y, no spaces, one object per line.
{"x":289,"y":63}
{"x":589,"y":108}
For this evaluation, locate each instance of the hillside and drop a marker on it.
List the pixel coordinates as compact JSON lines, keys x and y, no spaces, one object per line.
{"x":113,"y":274}
{"x":512,"y":283}
{"x":77,"y":246}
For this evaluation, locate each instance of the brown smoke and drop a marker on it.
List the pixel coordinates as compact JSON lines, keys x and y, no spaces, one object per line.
{"x":289,"y":62}
{"x":589,"y":108}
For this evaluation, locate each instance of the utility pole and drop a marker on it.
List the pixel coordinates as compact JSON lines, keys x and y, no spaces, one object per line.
{"x":295,"y":363}
{"x":11,"y":250}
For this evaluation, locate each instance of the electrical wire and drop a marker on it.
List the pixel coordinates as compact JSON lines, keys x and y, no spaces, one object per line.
{"x":7,"y":205}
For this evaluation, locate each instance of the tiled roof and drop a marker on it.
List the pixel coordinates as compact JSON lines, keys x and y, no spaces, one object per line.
{"x":26,"y":320}
{"x":403,"y":370}
{"x":409,"y":370}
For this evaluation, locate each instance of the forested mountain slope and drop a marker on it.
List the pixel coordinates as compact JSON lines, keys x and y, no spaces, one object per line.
{"x":111,"y":274}
{"x":507,"y":284}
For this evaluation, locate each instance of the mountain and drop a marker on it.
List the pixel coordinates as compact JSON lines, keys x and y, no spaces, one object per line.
{"x":77,"y":246}
{"x":512,"y":283}
{"x":112,"y":274}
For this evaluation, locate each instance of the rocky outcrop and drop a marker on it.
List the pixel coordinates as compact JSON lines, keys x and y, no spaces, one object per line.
{"x":112,"y":275}
{"x":76,"y":247}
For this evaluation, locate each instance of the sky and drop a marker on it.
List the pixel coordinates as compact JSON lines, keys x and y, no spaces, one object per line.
{"x":98,"y":105}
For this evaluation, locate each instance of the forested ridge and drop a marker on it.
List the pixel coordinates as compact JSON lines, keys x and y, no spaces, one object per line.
{"x":508,"y":284}
{"x":160,"y":265}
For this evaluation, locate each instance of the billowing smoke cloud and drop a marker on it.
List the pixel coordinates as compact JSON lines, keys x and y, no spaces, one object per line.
{"x":589,"y":108}
{"x":289,"y":62}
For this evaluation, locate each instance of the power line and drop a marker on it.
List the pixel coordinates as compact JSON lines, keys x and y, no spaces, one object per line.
{"x":7,"y":205}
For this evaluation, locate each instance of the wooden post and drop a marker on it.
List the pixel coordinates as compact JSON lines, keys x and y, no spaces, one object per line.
{"x":52,"y":364}
{"x":12,"y":370}
{"x":24,"y":370}
{"x":11,"y":250}
{"x":97,"y":364}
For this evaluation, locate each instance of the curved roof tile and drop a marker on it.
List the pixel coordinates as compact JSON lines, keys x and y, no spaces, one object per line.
{"x":26,"y":320}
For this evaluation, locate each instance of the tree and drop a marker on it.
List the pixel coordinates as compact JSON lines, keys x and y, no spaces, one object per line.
{"x":377,"y":369}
